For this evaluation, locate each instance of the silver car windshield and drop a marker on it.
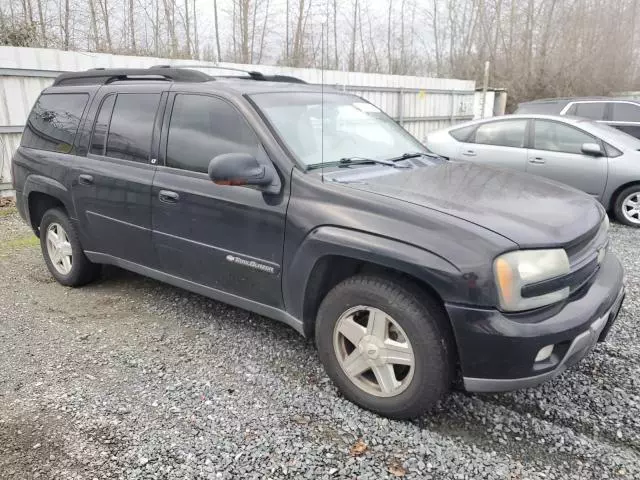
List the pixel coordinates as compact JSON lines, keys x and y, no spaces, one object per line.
{"x":326,"y":128}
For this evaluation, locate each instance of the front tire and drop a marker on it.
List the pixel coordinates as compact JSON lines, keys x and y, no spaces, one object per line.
{"x":627,"y":206}
{"x":385,"y":345}
{"x":63,"y":252}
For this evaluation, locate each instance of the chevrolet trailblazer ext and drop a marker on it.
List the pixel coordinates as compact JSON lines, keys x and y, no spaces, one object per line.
{"x":411,"y":272}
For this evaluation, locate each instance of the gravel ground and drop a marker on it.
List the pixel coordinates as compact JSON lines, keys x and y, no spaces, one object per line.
{"x":129,"y":378}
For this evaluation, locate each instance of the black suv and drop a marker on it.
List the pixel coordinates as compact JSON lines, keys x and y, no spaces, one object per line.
{"x":621,"y":113}
{"x":314,"y":208}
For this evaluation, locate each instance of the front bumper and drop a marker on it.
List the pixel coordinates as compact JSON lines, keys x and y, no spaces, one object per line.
{"x":497,"y":351}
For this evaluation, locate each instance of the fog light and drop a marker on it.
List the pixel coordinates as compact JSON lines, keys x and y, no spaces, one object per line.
{"x":544,"y":353}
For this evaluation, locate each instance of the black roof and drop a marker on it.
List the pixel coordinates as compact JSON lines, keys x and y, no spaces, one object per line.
{"x":102,"y":76}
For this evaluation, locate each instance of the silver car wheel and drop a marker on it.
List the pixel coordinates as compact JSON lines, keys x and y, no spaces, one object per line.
{"x":374,"y":351}
{"x":59,"y":248}
{"x":631,"y":208}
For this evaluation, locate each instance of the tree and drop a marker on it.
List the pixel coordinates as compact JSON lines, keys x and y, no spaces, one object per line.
{"x":536,"y":47}
{"x":215,"y":13}
{"x":354,"y":30}
{"x":132,"y":25}
{"x":22,"y":34}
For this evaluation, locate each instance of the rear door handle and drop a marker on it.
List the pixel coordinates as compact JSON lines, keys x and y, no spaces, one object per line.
{"x":469,"y":153}
{"x":85,"y":179}
{"x":538,"y":160}
{"x":167,"y":196}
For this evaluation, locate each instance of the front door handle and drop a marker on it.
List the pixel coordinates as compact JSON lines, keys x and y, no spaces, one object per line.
{"x":538,"y":160}
{"x":469,"y":153}
{"x":167,"y":196}
{"x":85,"y":179}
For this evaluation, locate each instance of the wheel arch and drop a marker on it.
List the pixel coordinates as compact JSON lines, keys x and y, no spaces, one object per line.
{"x":329,"y":255}
{"x":42,"y":193}
{"x":611,"y":204}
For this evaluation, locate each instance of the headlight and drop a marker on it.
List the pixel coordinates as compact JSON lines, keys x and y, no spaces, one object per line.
{"x":517,"y":269}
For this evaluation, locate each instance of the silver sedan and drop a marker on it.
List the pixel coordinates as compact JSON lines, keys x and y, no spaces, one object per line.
{"x":595,"y":158}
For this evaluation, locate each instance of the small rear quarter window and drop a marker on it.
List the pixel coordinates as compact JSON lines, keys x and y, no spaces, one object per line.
{"x":53,"y":122}
{"x":611,"y":151}
{"x":462,"y":134}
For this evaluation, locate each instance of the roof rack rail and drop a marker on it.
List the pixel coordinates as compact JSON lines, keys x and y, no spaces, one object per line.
{"x":103,"y":76}
{"x":253,"y":75}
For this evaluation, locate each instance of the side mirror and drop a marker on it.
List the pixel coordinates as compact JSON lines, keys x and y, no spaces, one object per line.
{"x":239,"y":169}
{"x":592,"y":149}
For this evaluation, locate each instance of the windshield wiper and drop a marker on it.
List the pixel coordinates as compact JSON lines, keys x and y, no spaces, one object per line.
{"x":357,"y":161}
{"x":408,"y":155}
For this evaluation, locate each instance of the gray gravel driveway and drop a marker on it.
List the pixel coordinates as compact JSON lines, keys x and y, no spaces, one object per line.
{"x":129,"y":378}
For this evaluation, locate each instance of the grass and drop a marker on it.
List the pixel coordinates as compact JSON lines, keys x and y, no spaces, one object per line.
{"x":7,"y":211}
{"x":19,"y":243}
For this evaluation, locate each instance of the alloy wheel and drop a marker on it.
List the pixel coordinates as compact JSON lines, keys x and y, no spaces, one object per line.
{"x":59,"y":248}
{"x":374,"y":351}
{"x":631,"y":208}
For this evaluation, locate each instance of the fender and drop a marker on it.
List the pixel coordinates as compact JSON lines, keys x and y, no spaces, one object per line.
{"x":49,"y":186}
{"x":329,"y":240}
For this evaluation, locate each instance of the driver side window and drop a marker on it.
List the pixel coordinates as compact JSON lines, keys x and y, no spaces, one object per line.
{"x":203,"y":127}
{"x":558,"y":137}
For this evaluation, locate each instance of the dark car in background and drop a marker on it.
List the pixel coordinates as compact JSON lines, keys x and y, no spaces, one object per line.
{"x":621,"y":113}
{"x":316,"y":209}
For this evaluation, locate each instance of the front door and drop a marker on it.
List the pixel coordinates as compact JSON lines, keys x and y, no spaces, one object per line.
{"x":112,"y":186}
{"x":229,"y":238}
{"x":556,"y":153}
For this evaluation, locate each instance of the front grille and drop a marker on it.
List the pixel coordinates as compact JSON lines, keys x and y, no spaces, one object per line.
{"x":581,"y":276}
{"x":584,"y":249}
{"x":582,"y":244}
{"x":574,"y":280}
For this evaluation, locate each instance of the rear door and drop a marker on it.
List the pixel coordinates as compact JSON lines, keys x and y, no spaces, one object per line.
{"x":229,"y":238}
{"x":556,"y":153}
{"x":499,"y":143}
{"x":112,"y":187}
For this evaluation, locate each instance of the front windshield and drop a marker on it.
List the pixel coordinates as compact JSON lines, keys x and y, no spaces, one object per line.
{"x":333,"y":126}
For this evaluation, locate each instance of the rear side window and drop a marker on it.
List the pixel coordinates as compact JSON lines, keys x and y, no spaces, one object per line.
{"x":509,"y":133}
{"x":131,"y":126}
{"x":54,"y":121}
{"x":204,"y":127}
{"x":462,"y":134}
{"x":591,"y":110}
{"x":626,"y":112}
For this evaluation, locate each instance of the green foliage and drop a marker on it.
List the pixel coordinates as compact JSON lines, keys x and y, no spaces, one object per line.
{"x":18,"y":34}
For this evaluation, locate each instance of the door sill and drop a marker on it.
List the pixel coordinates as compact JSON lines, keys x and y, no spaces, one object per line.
{"x":215,"y":294}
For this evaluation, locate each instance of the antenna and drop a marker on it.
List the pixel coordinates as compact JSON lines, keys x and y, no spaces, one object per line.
{"x":322,"y":45}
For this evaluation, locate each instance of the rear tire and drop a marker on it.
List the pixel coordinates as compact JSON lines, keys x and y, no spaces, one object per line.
{"x":627,"y":206}
{"x":63,"y":252}
{"x":369,"y":323}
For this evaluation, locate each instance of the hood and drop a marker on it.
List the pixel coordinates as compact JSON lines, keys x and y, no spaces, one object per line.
{"x":529,"y":210}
